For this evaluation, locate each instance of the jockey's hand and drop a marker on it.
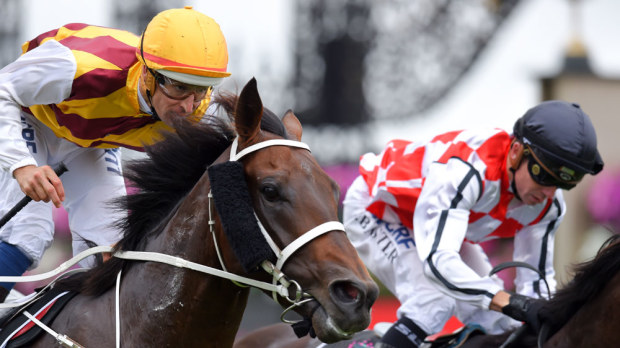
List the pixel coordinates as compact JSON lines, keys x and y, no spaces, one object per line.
{"x":40,"y":184}
{"x":525,"y":309}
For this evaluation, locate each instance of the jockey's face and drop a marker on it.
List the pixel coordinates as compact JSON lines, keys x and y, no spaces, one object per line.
{"x":172,"y":99}
{"x":529,"y":190}
{"x":169,"y":108}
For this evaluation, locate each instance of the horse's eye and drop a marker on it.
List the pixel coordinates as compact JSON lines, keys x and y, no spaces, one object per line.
{"x":270,"y":192}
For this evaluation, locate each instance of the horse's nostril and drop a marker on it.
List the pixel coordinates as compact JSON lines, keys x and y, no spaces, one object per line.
{"x":352,"y":292}
{"x":346,"y":292}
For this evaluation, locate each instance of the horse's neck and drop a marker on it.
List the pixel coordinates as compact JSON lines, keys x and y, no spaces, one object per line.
{"x":187,"y":230}
{"x":595,"y":324}
{"x":207,"y":306}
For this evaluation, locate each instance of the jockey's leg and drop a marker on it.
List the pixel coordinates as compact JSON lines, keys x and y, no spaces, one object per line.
{"x":388,"y":251}
{"x":24,"y":238}
{"x":403,"y":334}
{"x":93,"y":181}
{"x":13,"y":262}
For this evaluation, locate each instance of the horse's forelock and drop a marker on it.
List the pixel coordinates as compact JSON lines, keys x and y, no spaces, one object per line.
{"x":270,"y":122}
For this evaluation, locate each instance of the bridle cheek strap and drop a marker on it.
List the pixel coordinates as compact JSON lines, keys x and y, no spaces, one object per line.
{"x":300,"y":297}
{"x":283,"y":255}
{"x":307,"y":237}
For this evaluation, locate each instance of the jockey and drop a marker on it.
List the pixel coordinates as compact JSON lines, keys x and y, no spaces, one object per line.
{"x":419,"y":209}
{"x":75,"y":96}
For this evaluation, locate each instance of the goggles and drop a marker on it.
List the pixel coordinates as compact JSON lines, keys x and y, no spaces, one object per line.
{"x":179,"y":90}
{"x":556,"y":175}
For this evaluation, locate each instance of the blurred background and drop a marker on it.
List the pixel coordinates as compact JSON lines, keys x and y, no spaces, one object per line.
{"x":360,"y":72}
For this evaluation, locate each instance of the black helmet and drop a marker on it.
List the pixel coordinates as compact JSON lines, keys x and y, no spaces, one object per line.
{"x":562,"y":139}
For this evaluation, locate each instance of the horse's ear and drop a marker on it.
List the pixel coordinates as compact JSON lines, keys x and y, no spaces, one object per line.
{"x":249,"y":111}
{"x":292,"y":124}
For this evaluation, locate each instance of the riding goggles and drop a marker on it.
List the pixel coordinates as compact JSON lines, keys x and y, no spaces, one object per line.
{"x":551,"y":174}
{"x":179,"y":90}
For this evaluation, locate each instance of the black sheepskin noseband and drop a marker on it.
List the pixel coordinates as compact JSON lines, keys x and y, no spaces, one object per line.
{"x":234,"y":206}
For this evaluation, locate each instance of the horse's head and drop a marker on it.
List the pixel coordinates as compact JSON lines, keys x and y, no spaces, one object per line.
{"x":293,"y":197}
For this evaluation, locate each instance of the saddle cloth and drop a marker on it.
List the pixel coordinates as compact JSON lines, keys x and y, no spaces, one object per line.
{"x":16,"y":330}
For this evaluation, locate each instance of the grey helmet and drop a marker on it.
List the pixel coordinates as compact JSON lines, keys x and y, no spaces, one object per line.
{"x":563,"y":141}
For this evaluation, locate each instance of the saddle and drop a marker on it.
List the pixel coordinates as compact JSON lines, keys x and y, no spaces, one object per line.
{"x":17,"y":330}
{"x":455,"y":339}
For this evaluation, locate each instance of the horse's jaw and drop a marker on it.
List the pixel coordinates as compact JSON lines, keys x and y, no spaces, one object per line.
{"x":327,"y":330}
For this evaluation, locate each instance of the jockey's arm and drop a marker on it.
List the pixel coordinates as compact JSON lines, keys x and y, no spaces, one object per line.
{"x":41,"y":76}
{"x":440,"y":225}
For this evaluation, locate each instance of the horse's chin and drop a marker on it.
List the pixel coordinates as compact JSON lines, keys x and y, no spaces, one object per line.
{"x":326,"y":329}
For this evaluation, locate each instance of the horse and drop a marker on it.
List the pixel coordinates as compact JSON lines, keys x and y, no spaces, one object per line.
{"x":584,"y":313}
{"x":229,"y":198}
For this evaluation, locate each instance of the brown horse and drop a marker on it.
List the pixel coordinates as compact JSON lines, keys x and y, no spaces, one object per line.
{"x":584,"y":313}
{"x":314,"y":269}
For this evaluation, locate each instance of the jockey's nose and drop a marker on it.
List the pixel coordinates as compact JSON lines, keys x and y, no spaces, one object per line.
{"x":189,"y":104}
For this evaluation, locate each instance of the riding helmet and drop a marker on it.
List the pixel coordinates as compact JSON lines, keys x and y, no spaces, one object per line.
{"x":562,"y":136}
{"x":185,"y":45}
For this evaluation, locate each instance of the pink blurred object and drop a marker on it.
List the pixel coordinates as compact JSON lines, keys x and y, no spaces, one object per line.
{"x":603,"y":199}
{"x":343,"y":174}
{"x":61,"y":222}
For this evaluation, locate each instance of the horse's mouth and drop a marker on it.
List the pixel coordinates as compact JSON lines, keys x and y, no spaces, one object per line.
{"x":326,"y":329}
{"x":340,"y":315}
{"x":322,"y":324}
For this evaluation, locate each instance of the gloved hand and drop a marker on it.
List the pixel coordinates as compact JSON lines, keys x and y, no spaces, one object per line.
{"x":525,"y":309}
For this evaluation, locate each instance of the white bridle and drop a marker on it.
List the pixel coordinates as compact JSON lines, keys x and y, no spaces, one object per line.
{"x":281,"y":255}
{"x":280,"y":283}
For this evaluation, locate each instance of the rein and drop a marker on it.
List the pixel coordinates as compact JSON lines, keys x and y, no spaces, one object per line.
{"x":544,"y":330}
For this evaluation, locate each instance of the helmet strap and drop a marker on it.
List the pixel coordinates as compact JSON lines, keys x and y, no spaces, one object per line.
{"x":514,"y":165}
{"x":149,"y":80}
{"x":513,"y":184}
{"x":154,"y":115}
{"x":149,"y":85}
{"x":516,"y":162}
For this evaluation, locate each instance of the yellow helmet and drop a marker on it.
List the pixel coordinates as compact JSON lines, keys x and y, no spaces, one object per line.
{"x":185,"y":45}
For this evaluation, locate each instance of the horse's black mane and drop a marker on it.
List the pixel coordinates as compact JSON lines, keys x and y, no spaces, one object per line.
{"x":590,"y":279}
{"x":171,"y":170}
